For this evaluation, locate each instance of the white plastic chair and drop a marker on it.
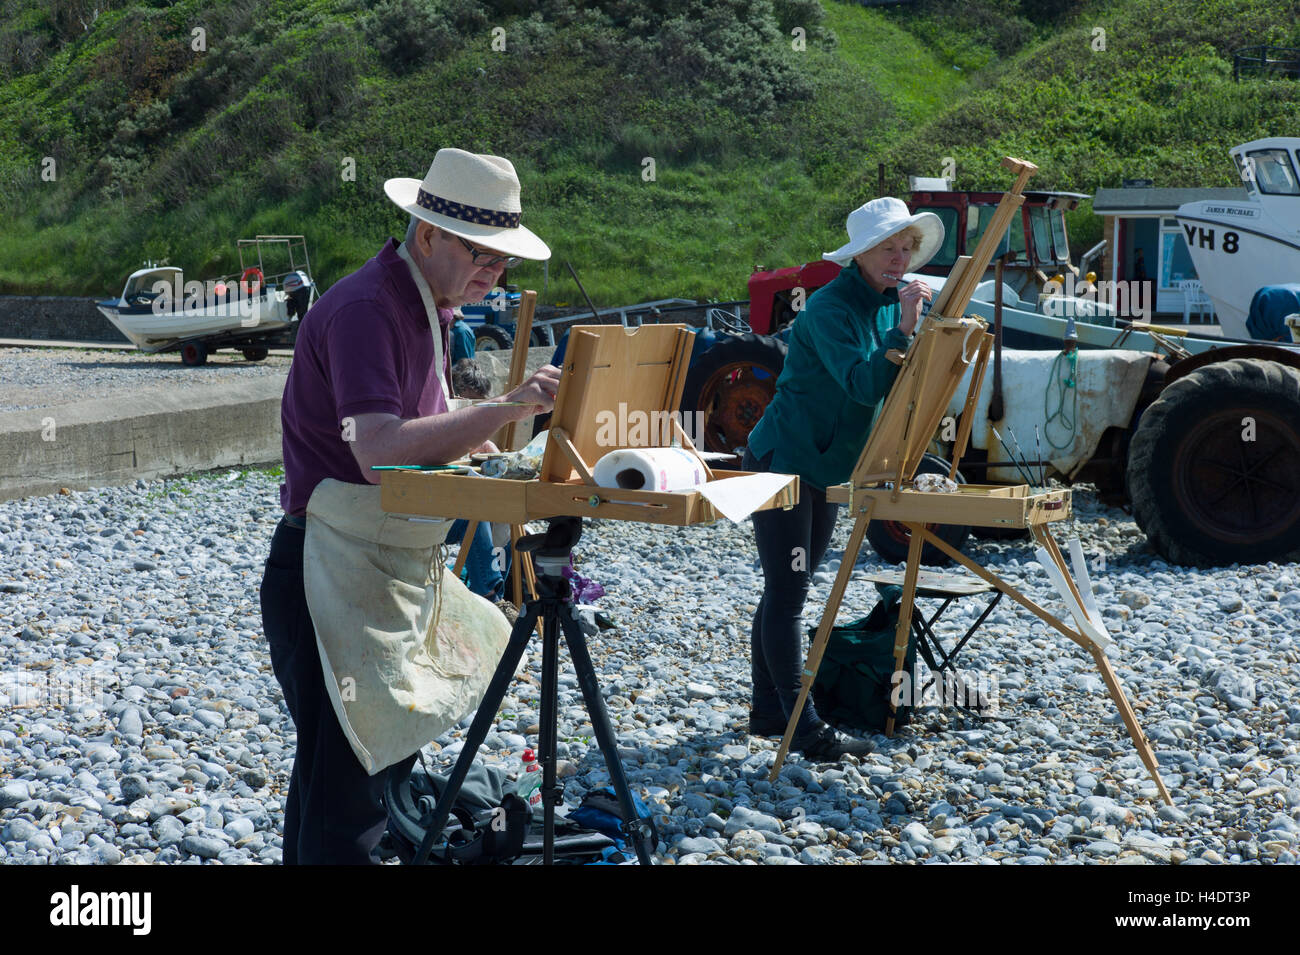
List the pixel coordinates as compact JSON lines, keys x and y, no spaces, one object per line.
{"x":1194,"y":297}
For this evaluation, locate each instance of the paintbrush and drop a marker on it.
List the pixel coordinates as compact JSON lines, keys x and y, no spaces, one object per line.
{"x":1016,"y":441}
{"x":1042,"y":468}
{"x":1028,"y":479}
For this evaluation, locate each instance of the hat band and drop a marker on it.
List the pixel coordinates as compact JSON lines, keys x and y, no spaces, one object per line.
{"x":474,"y":214}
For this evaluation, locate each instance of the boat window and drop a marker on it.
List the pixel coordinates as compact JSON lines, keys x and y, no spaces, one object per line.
{"x":1246,"y":180}
{"x":1175,"y":261}
{"x":1274,"y":174}
{"x":947,"y":253}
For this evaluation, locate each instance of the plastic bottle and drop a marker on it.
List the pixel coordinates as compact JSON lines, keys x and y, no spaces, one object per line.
{"x":529,"y":787}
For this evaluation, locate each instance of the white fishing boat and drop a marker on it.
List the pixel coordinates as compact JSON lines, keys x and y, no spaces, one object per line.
{"x":159,"y":310}
{"x":1239,"y":247}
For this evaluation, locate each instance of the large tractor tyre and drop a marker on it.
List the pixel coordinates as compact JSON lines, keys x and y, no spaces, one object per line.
{"x":1214,"y":466}
{"x":731,"y":385}
{"x":891,"y":539}
{"x":492,"y":338}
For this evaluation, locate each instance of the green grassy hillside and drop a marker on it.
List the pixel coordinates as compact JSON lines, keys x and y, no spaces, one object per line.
{"x":127,"y":134}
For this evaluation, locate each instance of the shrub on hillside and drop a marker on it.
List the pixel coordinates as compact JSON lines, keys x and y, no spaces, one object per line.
{"x":411,"y":33}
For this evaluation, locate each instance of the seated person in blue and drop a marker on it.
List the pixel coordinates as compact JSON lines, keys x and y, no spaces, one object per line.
{"x":835,"y":378}
{"x":462,"y":338}
{"x":486,"y":567}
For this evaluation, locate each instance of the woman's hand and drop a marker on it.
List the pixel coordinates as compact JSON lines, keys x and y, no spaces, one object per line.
{"x":910,"y":297}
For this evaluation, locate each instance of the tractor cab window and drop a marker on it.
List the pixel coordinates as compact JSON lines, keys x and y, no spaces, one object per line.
{"x":1272,"y":172}
{"x":1041,"y":226}
{"x":947,"y":253}
{"x":1059,"y":243}
{"x":978,"y":218}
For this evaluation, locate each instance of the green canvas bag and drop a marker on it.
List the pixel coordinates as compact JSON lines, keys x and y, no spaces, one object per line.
{"x":854,"y":680}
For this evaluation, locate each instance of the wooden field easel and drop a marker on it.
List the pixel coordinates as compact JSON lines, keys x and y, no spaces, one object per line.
{"x":881,"y":485}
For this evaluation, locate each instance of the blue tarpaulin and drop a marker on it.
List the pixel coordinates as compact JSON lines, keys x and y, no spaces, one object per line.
{"x":1268,"y":311}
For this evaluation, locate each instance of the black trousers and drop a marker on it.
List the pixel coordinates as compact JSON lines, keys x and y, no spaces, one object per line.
{"x":334,"y":815}
{"x":791,"y":545}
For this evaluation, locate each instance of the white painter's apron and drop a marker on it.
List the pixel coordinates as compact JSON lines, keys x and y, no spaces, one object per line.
{"x":407,"y":650}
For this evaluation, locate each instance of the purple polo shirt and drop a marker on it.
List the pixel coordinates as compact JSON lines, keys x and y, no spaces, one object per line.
{"x":365,"y":346}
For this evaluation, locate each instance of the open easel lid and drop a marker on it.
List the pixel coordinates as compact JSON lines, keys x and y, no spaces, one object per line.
{"x":619,"y":387}
{"x":913,"y":411}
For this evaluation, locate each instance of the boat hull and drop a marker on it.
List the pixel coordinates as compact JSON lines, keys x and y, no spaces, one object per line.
{"x":152,"y":331}
{"x":1235,"y":255}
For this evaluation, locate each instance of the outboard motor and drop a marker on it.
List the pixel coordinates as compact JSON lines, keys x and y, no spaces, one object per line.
{"x":297,"y":287}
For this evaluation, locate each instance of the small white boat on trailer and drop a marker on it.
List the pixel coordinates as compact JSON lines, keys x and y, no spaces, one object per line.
{"x":159,"y":311}
{"x":1240,"y":247}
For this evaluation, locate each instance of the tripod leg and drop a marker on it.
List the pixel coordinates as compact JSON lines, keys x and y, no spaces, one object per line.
{"x":604,"y":731}
{"x":548,"y":728}
{"x":521,"y":633}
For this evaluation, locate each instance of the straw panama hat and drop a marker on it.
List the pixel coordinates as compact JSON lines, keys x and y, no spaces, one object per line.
{"x":472,"y":196}
{"x":877,"y":220}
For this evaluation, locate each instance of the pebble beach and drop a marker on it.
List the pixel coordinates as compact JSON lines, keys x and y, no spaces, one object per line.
{"x":140,"y":721}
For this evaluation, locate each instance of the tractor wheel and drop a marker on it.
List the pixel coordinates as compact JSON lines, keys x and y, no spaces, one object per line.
{"x":891,"y":539}
{"x":194,"y":353}
{"x":492,"y":338}
{"x":256,"y":354}
{"x":1214,"y":467}
{"x":731,"y":385}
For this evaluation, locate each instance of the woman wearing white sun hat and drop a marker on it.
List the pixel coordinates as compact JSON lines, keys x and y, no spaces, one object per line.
{"x":835,"y":377}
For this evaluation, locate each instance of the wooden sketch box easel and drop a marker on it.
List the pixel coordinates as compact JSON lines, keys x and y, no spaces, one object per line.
{"x":882,"y":484}
{"x":628,"y":374}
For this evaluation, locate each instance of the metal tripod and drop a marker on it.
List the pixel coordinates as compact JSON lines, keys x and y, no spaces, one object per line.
{"x":554,"y":603}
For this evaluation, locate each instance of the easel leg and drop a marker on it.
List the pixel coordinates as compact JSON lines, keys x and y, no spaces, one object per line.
{"x":1098,"y":656}
{"x":1130,"y":720}
{"x":471,"y":528}
{"x":818,"y":647}
{"x":905,"y":615}
{"x":516,"y":586}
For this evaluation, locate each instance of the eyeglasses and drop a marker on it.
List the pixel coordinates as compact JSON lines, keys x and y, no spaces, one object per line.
{"x":489,"y":260}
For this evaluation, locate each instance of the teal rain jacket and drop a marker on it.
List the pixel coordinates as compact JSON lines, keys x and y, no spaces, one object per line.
{"x":835,"y":378}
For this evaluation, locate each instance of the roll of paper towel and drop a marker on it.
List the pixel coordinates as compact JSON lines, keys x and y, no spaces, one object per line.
{"x":649,"y":469}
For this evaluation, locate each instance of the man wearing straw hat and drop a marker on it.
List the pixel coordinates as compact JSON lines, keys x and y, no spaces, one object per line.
{"x":369,"y":386}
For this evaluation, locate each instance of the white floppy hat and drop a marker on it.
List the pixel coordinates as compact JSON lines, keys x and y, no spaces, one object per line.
{"x":877,"y":220}
{"x":473,"y":196}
